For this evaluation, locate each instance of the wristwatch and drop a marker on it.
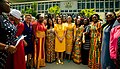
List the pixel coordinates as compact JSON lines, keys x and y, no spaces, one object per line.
{"x":6,"y":47}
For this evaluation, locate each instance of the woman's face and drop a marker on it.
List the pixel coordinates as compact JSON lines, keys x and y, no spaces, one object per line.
{"x":94,"y":18}
{"x":69,"y":19}
{"x":50,"y":22}
{"x":59,"y":21}
{"x":85,"y":21}
{"x":78,"y":21}
{"x":5,"y":6}
{"x":28,"y":19}
{"x":110,"y":16}
{"x":41,"y":19}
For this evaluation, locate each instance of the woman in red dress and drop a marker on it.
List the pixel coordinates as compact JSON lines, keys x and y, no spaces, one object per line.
{"x":19,"y":55}
{"x":39,"y":50}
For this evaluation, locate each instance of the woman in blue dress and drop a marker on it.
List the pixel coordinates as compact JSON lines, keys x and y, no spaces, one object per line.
{"x":29,"y":32}
{"x":106,"y":62}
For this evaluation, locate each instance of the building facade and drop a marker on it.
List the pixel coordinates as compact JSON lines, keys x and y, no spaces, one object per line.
{"x":71,"y":6}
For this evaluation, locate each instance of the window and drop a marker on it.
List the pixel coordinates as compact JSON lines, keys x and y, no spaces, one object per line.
{"x":97,"y":10}
{"x":106,"y":4}
{"x":66,"y":10}
{"x":101,"y":4}
{"x":42,"y":6}
{"x":79,"y":5}
{"x":116,"y":4}
{"x":88,"y":5}
{"x":97,"y":5}
{"x":62,"y":10}
{"x":111,"y":5}
{"x":83,"y":5}
{"x":46,"y":6}
{"x":74,"y":10}
{"x":70,"y":10}
{"x":92,"y":5}
{"x":50,"y":5}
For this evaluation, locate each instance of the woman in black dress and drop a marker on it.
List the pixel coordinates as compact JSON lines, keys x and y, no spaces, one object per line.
{"x":86,"y":42}
{"x":7,"y":36}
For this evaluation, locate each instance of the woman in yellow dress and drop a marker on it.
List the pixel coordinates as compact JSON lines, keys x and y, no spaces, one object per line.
{"x":70,"y":36}
{"x":60,"y":32}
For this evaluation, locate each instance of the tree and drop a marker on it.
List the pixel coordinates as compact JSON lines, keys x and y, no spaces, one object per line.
{"x":54,"y":10}
{"x":87,"y":12}
{"x":32,"y":10}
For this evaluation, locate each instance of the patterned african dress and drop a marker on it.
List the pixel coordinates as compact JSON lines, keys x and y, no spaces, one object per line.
{"x":71,"y":29}
{"x":78,"y":43}
{"x":60,"y":46}
{"x":94,"y":55}
{"x":50,"y":45}
{"x":39,"y":47}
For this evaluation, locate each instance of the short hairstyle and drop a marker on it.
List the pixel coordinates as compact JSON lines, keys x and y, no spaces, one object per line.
{"x":28,"y":15}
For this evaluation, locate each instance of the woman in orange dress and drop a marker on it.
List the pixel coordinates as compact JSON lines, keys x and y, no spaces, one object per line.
{"x":70,"y":35}
{"x":39,"y":50}
{"x":60,"y":32}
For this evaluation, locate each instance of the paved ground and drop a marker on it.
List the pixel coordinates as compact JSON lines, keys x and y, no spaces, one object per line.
{"x":66,"y":65}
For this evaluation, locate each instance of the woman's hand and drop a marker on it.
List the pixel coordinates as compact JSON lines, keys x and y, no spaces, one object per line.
{"x":11,"y":49}
{"x":25,"y":43}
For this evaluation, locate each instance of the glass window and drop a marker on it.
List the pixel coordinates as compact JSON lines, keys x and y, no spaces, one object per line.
{"x":46,"y":7}
{"x":50,"y":5}
{"x":106,"y":4}
{"x":101,"y":4}
{"x":92,"y":5}
{"x":97,"y":10}
{"x":38,"y":7}
{"x":70,"y":10}
{"x":97,"y":5}
{"x":79,"y":10}
{"x":106,"y":10}
{"x":88,"y":5}
{"x":83,"y":5}
{"x":111,"y":5}
{"x":74,"y":10}
{"x":79,"y":5}
{"x":43,"y":7}
{"x":62,"y":10}
{"x":54,"y":4}
{"x":116,"y":4}
{"x":66,"y":10}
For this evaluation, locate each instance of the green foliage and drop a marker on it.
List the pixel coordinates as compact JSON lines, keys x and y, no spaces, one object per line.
{"x":54,"y":10}
{"x":87,"y":12}
{"x":32,"y":10}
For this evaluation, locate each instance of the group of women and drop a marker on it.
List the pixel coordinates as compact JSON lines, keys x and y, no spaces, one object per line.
{"x":85,"y":40}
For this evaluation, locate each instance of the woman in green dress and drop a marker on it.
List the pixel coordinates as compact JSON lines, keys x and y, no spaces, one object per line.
{"x":78,"y":41}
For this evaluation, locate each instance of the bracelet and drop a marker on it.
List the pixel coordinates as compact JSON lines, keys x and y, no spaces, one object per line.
{"x":6,"y":47}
